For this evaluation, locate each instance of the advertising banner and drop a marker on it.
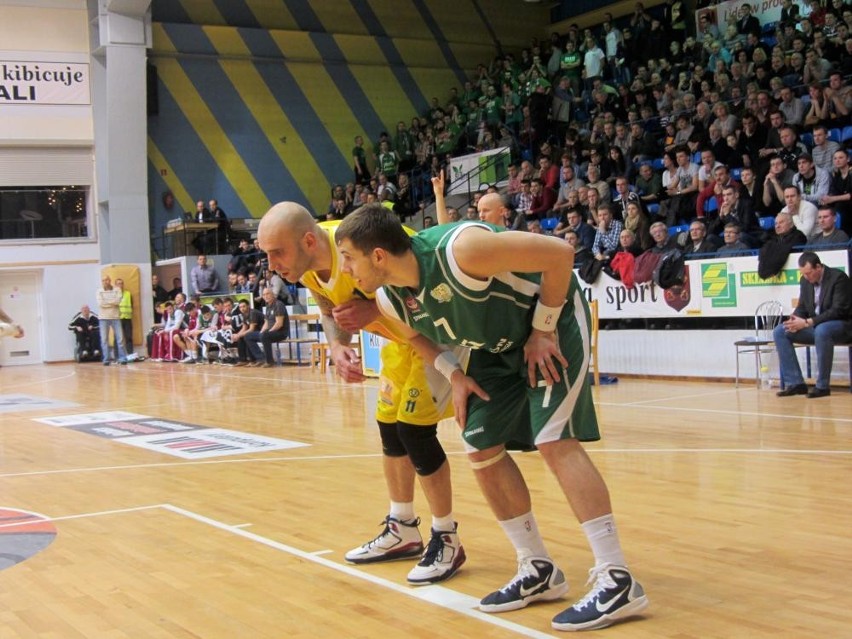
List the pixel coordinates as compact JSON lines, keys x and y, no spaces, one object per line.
{"x":767,"y":11}
{"x":724,"y":287}
{"x":28,"y":83}
{"x":469,"y":172}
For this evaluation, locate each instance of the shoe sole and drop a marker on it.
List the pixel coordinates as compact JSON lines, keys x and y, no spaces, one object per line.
{"x":633,"y":608}
{"x":557,"y":592}
{"x":397,"y":556}
{"x":460,"y":559}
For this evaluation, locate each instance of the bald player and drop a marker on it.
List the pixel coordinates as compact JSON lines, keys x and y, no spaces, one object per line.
{"x":301,"y":250}
{"x":492,"y":207}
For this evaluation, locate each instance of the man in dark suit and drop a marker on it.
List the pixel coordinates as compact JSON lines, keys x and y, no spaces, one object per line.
{"x":734,"y":210}
{"x":747,"y":23}
{"x":822,"y":317}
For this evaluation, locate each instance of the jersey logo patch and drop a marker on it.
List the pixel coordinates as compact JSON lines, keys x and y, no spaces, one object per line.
{"x":442,"y":293}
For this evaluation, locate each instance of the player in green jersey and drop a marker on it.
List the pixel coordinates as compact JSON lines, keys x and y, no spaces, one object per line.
{"x":513,"y":299}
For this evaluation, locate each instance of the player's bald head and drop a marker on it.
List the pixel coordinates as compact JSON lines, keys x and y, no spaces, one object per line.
{"x":492,"y":209}
{"x":285,"y":218}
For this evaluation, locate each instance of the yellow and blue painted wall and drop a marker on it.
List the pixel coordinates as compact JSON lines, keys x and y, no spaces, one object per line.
{"x":259,"y":101}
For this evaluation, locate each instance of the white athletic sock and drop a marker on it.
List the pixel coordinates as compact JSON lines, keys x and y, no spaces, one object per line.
{"x":402,"y":510}
{"x":603,"y":538}
{"x":523,"y":533}
{"x":444,"y":524}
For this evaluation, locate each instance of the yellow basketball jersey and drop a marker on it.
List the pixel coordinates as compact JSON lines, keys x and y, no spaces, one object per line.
{"x":341,"y":287}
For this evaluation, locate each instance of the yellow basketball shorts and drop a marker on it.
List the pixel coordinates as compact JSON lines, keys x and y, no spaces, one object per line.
{"x":406,"y":393}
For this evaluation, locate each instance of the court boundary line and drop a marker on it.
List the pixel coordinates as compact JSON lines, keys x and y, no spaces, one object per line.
{"x":436,"y":595}
{"x":441,"y":596}
{"x":717,"y":411}
{"x":591,"y":451}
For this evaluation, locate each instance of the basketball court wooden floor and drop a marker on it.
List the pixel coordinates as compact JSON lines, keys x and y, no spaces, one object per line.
{"x":733,"y":506}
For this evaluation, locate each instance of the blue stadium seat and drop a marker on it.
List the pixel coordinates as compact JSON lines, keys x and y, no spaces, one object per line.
{"x":847,"y":134}
{"x":736,"y":174}
{"x":548,"y":224}
{"x":835,"y":135}
{"x":767,"y":223}
{"x":653,"y":209}
{"x":808,"y":140}
{"x":710,"y":204}
{"x":806,"y":100}
{"x":696,"y":157}
{"x":657,"y":164}
{"x":674,"y":230}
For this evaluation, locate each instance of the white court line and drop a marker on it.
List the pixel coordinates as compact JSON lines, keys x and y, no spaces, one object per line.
{"x":322,"y":552}
{"x":813,"y":418}
{"x":674,"y":397}
{"x":83,"y":515}
{"x":243,"y":525}
{"x":32,"y":384}
{"x":742,"y":451}
{"x":591,"y":451}
{"x":205,"y":462}
{"x":437,"y":595}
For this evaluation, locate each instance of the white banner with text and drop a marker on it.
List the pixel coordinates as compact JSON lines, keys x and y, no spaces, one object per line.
{"x":30,"y":82}
{"x":724,"y":287}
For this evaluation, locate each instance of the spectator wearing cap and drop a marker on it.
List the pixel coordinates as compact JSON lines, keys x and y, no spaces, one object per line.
{"x":811,"y":180}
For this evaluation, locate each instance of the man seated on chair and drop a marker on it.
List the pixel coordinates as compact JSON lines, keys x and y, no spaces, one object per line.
{"x":276,"y":327}
{"x":86,"y":329}
{"x":822,"y":318}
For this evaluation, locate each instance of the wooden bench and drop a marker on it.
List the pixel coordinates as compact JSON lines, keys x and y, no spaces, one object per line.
{"x":300,"y":333}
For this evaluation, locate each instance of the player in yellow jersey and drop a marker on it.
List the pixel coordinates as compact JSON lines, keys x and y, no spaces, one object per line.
{"x":300,"y":249}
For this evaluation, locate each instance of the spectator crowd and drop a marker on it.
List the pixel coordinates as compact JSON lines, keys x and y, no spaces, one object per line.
{"x":725,"y":138}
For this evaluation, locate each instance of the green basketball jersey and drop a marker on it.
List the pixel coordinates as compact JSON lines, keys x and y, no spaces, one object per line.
{"x":453,"y":308}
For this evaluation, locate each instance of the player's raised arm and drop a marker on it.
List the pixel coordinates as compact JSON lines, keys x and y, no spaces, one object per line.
{"x":438,"y":183}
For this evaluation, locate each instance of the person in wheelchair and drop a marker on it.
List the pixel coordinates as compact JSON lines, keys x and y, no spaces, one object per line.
{"x":87,"y":331}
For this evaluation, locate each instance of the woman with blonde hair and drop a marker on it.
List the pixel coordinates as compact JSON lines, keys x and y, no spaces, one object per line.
{"x":636,"y":221}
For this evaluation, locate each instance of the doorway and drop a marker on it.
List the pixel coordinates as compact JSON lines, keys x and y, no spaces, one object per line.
{"x":20,"y":300}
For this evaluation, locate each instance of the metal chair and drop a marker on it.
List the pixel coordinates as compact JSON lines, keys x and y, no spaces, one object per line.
{"x":766,"y":318}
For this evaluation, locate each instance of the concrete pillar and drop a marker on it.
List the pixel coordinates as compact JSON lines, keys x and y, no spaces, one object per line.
{"x":121,"y":33}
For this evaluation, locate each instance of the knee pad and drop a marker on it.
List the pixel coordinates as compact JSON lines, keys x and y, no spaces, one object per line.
{"x":423,"y":447}
{"x":392,"y":445}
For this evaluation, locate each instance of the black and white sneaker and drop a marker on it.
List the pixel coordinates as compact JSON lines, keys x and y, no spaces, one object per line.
{"x":443,"y":557}
{"x":615,"y":595}
{"x":538,"y":579}
{"x":398,"y":540}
